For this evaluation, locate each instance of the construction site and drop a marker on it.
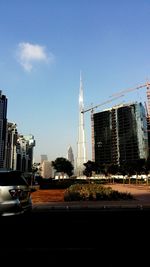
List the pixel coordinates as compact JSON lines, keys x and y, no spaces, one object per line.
{"x":120,"y":133}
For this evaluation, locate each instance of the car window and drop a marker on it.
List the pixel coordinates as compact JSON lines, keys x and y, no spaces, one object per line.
{"x":12,"y":178}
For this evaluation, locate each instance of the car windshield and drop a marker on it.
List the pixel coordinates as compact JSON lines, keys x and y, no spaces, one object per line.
{"x":12,"y":178}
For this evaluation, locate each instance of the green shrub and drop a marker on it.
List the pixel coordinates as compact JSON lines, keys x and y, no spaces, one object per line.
{"x":93,"y":191}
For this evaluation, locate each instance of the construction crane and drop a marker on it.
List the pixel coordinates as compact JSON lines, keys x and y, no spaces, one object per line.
{"x":132,"y":89}
{"x":114,"y":97}
{"x":121,"y":94}
{"x":101,"y":104}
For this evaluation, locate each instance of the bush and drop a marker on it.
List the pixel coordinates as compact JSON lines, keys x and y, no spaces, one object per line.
{"x":78,"y":192}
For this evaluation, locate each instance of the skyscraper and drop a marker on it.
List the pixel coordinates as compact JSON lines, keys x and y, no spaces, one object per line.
{"x":70,"y":155}
{"x":11,"y":155}
{"x":3,"y":129}
{"x":43,"y":157}
{"x":81,"y":144}
{"x":121,"y":134}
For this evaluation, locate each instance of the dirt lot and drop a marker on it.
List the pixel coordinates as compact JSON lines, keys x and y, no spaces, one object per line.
{"x":140,"y":192}
{"x":48,"y":195}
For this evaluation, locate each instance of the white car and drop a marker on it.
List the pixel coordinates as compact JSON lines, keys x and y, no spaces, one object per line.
{"x":15,"y":193}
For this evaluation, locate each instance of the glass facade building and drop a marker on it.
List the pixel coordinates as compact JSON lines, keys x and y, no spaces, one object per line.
{"x":120,"y":134}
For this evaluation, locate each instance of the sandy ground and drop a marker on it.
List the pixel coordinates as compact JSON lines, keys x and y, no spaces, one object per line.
{"x":140,"y":192}
{"x":48,"y":195}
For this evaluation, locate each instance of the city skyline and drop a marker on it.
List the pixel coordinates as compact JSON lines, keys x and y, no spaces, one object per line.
{"x":43,"y":49}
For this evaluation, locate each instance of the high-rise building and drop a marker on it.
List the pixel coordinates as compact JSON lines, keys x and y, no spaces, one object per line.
{"x":30,"y":149}
{"x":120,"y":134}
{"x":43,"y":157}
{"x":25,"y":145}
{"x":81,"y":144}
{"x":3,"y":129}
{"x":11,"y":155}
{"x":47,"y":169}
{"x":70,"y":155}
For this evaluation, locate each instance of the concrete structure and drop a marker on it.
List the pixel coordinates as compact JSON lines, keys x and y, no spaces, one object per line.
{"x":81,"y":144}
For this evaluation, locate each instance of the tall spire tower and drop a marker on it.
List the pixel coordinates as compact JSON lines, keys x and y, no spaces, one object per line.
{"x":81,"y":144}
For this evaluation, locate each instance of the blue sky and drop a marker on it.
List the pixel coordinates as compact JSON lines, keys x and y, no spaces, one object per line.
{"x":43,"y":47}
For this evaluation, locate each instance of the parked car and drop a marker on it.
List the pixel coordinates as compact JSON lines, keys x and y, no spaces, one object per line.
{"x":15,"y":193}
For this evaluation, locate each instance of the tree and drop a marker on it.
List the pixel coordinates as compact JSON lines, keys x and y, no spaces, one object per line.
{"x":113,"y":169}
{"x":90,"y":166}
{"x":147,"y":165}
{"x":63,"y":165}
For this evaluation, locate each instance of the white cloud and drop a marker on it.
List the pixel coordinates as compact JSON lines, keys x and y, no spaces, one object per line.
{"x":28,"y":54}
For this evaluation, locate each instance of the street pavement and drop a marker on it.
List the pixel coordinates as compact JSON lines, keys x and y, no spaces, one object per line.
{"x":91,"y":205}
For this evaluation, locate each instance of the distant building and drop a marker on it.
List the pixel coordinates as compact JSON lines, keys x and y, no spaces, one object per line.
{"x":47,"y":169}
{"x":70,"y":155}
{"x":43,"y":157}
{"x":120,"y":134}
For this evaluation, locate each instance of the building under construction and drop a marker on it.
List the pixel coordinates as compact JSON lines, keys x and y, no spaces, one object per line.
{"x":123,"y":132}
{"x":120,"y":134}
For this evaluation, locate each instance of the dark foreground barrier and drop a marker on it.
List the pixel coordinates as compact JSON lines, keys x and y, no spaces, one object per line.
{"x":104,"y":237}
